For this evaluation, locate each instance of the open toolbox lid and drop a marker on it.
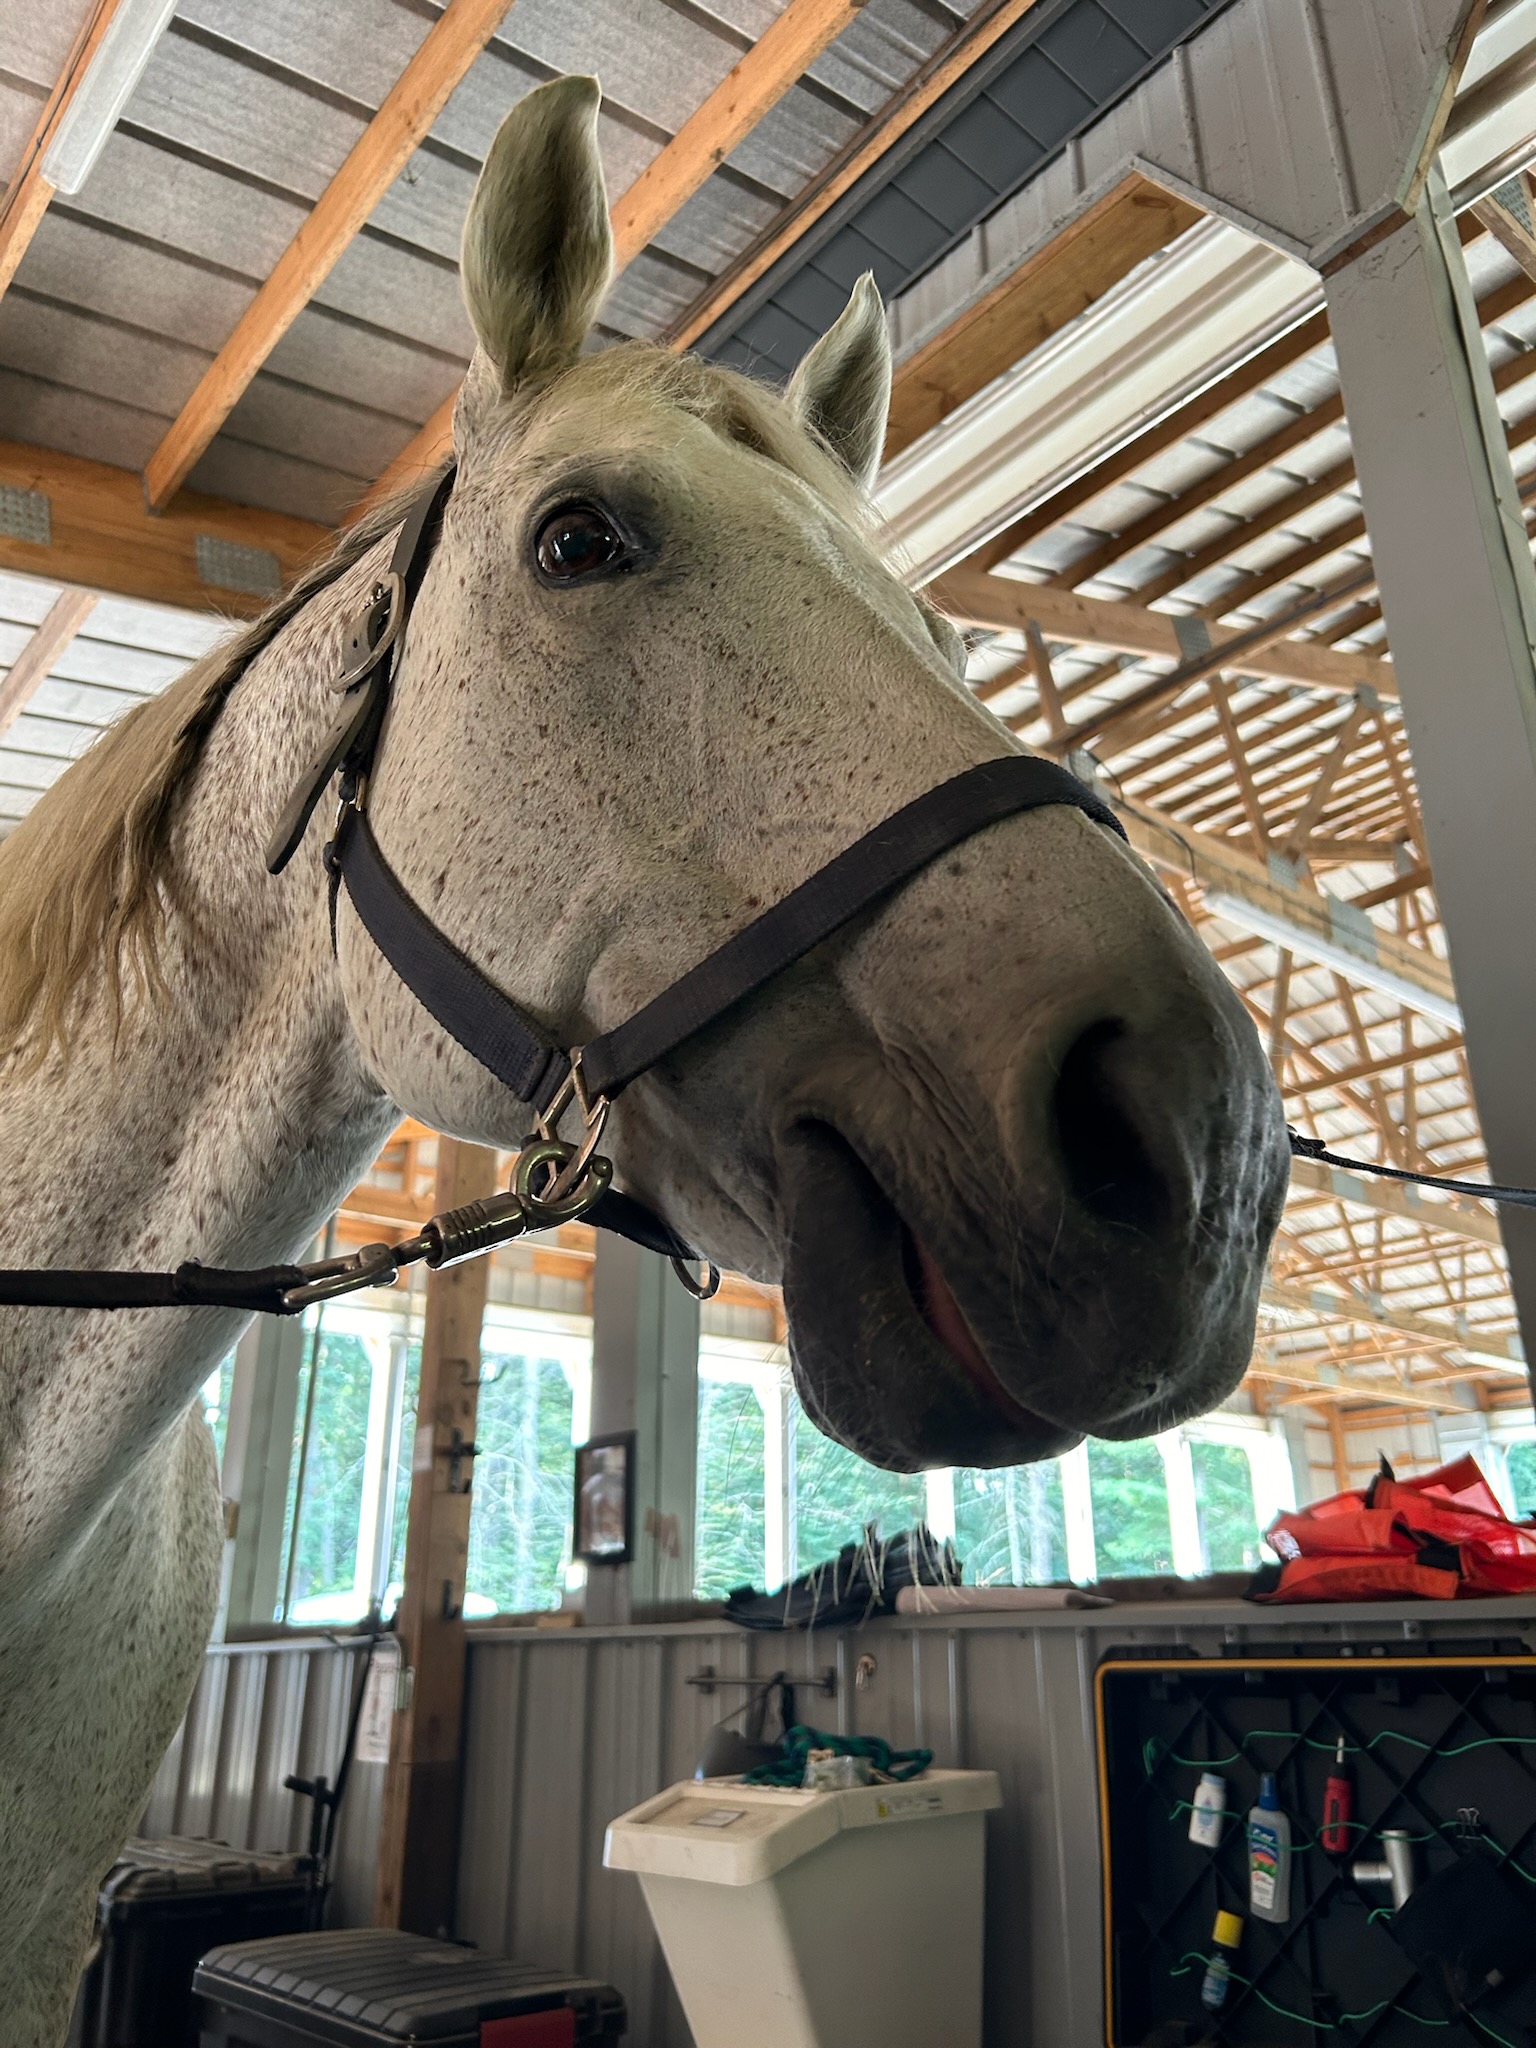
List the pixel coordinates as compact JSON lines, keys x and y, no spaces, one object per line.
{"x":721,"y":1831}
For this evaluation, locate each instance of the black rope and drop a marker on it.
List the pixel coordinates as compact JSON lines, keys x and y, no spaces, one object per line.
{"x":1485,"y":1191}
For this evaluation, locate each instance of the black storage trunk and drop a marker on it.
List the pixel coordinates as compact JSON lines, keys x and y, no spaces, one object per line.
{"x":165,"y":1904}
{"x":1442,"y":1745}
{"x":373,"y":1987}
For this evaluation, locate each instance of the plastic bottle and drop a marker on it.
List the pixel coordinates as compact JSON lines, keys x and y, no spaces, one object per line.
{"x":1226,"y":1934}
{"x":1269,"y":1855}
{"x":1206,"y":1812}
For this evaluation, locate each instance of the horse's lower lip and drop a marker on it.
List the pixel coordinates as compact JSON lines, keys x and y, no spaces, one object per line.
{"x":936,"y":1304}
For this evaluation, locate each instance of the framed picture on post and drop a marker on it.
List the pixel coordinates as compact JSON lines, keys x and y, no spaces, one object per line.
{"x":604,"y":1519}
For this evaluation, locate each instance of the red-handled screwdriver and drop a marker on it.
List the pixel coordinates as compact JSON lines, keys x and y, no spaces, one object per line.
{"x":1338,"y":1807}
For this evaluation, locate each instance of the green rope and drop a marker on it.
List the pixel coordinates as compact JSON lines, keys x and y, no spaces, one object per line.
{"x":1153,"y":1753}
{"x":896,"y":1764}
{"x":1198,"y":1962}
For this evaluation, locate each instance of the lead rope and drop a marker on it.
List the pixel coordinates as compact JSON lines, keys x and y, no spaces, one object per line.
{"x":1484,"y":1191}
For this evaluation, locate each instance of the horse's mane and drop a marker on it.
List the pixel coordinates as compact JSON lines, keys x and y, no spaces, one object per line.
{"x":85,"y":878}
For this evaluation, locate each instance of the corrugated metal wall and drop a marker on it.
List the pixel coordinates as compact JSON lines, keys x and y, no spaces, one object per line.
{"x":567,"y":1729}
{"x":261,"y":1712}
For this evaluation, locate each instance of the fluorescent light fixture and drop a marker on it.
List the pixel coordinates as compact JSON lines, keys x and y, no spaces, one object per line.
{"x":103,"y":92}
{"x":1356,"y":966}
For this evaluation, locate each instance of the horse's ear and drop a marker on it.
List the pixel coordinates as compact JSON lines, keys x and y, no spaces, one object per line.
{"x":537,"y":253}
{"x":843,"y":385}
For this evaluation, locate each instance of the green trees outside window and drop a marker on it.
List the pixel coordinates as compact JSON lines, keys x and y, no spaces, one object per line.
{"x":1130,"y":1510}
{"x":836,"y":1494}
{"x":1229,"y":1529}
{"x":1522,"y":1477}
{"x":730,"y":1514}
{"x":1010,"y":1528}
{"x":520,"y":1517}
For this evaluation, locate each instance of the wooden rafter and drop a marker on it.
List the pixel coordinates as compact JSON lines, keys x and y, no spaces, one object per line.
{"x":373,"y":163}
{"x":27,"y":196}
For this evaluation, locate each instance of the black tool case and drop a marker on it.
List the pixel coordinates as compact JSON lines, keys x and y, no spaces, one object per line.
{"x":1441,"y":1744}
{"x":374,"y":1987}
{"x":163,"y":1905}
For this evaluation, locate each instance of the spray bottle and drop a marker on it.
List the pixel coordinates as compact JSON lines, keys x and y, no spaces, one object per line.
{"x":1226,"y":1934}
{"x":1269,"y":1855}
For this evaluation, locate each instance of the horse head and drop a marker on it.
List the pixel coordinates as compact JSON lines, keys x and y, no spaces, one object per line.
{"x":1009,"y":1139}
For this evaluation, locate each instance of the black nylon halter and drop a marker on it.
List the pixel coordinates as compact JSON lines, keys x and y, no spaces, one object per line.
{"x":512,"y":1045}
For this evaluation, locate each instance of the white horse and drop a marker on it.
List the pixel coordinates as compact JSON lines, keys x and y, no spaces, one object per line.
{"x":1009,"y":1141}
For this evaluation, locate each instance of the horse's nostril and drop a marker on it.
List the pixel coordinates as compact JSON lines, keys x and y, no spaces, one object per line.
{"x":1104,"y":1154}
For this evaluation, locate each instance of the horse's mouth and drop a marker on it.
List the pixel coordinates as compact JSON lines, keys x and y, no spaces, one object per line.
{"x":885,"y":1358}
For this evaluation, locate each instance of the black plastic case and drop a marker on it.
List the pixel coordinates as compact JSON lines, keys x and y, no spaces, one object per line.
{"x":374,"y":1987}
{"x":165,"y":1904}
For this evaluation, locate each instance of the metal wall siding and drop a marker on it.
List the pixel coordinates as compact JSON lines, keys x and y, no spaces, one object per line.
{"x":259,"y":1714}
{"x":563,"y":1732}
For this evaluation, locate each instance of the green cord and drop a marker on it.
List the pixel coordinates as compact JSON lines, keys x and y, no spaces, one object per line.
{"x":1152,"y":1754}
{"x":1285,"y":2012}
{"x":789,"y":1770}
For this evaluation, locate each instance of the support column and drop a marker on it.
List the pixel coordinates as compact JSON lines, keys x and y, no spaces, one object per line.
{"x":1459,"y":596}
{"x":418,"y":1836}
{"x":778,"y":1479}
{"x":1077,"y":1514}
{"x":258,"y":1452}
{"x":1189,"y":1558}
{"x":645,"y":1377}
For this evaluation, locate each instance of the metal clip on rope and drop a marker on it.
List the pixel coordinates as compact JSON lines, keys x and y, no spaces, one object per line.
{"x":538,"y":1199}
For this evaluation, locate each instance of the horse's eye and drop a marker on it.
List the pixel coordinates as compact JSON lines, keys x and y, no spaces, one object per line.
{"x":576,"y":541}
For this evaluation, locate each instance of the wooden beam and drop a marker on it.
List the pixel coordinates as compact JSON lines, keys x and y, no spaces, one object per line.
{"x":1005,"y":605}
{"x":948,"y":64}
{"x":204,"y":553}
{"x":373,"y":163}
{"x":27,"y":196}
{"x":1382,"y":1063}
{"x":779,"y":57}
{"x":1507,"y":227}
{"x":753,"y":86}
{"x":418,"y":1840}
{"x":66,"y":615}
{"x":1048,"y":289}
{"x":1342,"y":1304}
{"x":1223,"y":869}
{"x":1392,"y":1198}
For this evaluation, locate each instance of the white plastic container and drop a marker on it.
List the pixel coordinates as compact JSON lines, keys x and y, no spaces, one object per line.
{"x":794,"y":1919}
{"x":1208,"y":1811}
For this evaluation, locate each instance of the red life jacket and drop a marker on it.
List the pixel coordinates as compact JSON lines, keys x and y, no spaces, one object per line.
{"x":1434,"y":1538}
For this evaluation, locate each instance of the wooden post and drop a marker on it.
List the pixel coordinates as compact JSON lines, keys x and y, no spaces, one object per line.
{"x":418,"y":1840}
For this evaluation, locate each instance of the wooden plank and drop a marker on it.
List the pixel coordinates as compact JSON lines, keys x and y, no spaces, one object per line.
{"x":103,"y":536}
{"x":976,"y":598}
{"x":66,"y":615}
{"x":751,"y":88}
{"x":1343,"y":1304}
{"x":1048,"y":289}
{"x":1392,"y":1198}
{"x":776,"y":60}
{"x":382,"y":151}
{"x":418,"y":1840}
{"x":27,"y":196}
{"x":1217,"y":866}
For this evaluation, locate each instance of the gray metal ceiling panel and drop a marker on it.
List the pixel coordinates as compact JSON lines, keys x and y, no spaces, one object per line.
{"x":326,"y":354}
{"x":48,"y":415}
{"x":233,"y":469}
{"x":1063,"y":65}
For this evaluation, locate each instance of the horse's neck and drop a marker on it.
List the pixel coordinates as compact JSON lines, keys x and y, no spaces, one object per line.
{"x":226,"y":1122}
